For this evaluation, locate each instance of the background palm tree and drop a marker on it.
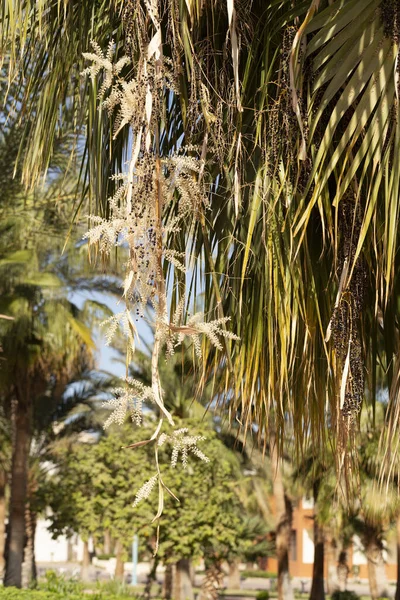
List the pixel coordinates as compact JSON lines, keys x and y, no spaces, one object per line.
{"x":45,"y":338}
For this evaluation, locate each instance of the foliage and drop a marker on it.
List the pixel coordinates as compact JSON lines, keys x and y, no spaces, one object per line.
{"x":60,"y":584}
{"x":258,"y":573}
{"x":94,"y":486}
{"x":11,"y":593}
{"x":59,"y":587}
{"x":347,"y":595}
{"x":45,"y":340}
{"x":264,"y":595}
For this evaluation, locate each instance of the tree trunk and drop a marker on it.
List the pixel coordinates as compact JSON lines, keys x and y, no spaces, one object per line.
{"x":373,"y":582}
{"x":3,"y":481}
{"x":107,"y":542}
{"x":34,"y":569}
{"x":376,"y":570}
{"x":397,"y":596}
{"x":182,"y":583}
{"x":119,"y":565}
{"x":212,"y":582}
{"x":234,"y":575}
{"x":19,"y":476}
{"x":317,"y":586}
{"x":167,"y":587}
{"x":28,"y":568}
{"x":332,"y":584}
{"x":283,"y":528}
{"x":151,"y":578}
{"x":70,"y":551}
{"x":343,"y":571}
{"x":85,"y":561}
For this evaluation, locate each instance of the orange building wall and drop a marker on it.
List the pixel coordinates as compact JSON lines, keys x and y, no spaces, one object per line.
{"x":303,"y":520}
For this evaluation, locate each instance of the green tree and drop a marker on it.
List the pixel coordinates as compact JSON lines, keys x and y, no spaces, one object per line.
{"x":95,"y":484}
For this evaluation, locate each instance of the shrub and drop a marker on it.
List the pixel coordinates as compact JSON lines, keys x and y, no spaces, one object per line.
{"x":10,"y":593}
{"x":60,"y":584}
{"x":344,"y":595}
{"x":259,"y":573}
{"x":264,"y":595}
{"x":105,"y":556}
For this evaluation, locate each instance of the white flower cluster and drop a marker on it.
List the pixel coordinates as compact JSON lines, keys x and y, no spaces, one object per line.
{"x":134,"y":217}
{"x":145,"y":490}
{"x":128,"y":400}
{"x":182,"y":443}
{"x":103,"y":63}
{"x":194,"y":328}
{"x":155,"y":199}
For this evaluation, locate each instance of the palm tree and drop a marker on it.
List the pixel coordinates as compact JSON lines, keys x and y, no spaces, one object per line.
{"x":60,"y":418}
{"x":294,"y":111}
{"x":45,"y":338}
{"x":43,"y":347}
{"x":296,"y":120}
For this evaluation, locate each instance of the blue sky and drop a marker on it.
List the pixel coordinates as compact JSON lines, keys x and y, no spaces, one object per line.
{"x":107,"y":357}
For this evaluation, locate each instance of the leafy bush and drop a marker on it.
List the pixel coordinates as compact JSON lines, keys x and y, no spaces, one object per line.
{"x":105,"y":556}
{"x":344,"y":595}
{"x":60,"y":584}
{"x":259,"y":573}
{"x":10,"y":593}
{"x":264,"y":595}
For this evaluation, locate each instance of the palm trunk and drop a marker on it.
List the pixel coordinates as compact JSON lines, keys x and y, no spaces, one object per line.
{"x":372,"y":579}
{"x":317,"y":587}
{"x":343,"y":571}
{"x":33,"y":567}
{"x":182,"y":584}
{"x":19,"y":476}
{"x":85,"y":561}
{"x":212,"y":582}
{"x":376,"y":570}
{"x":3,"y":481}
{"x":29,"y":552}
{"x":283,"y":528}
{"x":332,"y":584}
{"x":397,"y":596}
{"x":234,"y":575}
{"x":119,"y":565}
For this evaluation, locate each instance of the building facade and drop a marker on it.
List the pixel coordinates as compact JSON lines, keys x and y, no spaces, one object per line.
{"x":301,"y":557}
